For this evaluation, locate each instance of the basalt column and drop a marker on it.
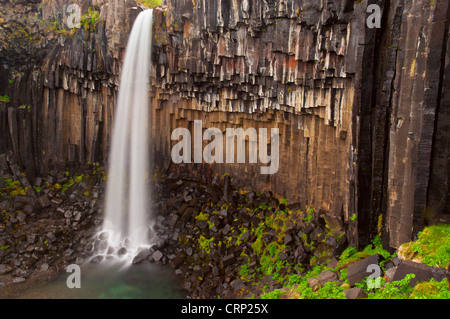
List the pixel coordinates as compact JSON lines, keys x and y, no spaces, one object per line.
{"x":361,"y":111}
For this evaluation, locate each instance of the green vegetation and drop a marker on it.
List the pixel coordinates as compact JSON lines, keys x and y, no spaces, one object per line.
{"x":25,"y":107}
{"x":54,"y":25}
{"x":262,"y":246}
{"x":261,"y":254}
{"x":14,"y":188}
{"x":276,"y":294}
{"x":204,"y":243}
{"x":395,"y":290}
{"x":4,"y":99}
{"x":431,"y":290}
{"x":351,"y":254}
{"x":433,"y":243}
{"x":432,"y":246}
{"x":89,"y":19}
{"x":150,"y":3}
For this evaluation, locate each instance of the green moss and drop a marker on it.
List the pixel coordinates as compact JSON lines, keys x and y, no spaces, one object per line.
{"x":14,"y":188}
{"x":395,"y":290}
{"x":150,"y":3}
{"x":432,"y":246}
{"x":5,"y":99}
{"x":67,"y":185}
{"x":431,"y":290}
{"x":202,"y":216}
{"x":203,"y":242}
{"x":276,"y":294}
{"x":270,"y":262}
{"x":89,"y":19}
{"x":351,"y":254}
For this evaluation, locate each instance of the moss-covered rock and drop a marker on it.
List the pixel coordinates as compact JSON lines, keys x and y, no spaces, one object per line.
{"x":432,"y":247}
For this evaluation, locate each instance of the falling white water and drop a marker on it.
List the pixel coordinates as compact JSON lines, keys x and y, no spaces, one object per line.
{"x":127,"y":216}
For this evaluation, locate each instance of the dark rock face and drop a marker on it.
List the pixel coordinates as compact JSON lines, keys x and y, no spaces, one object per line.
{"x":352,"y":136}
{"x":363,"y":113}
{"x":416,"y":135}
{"x":61,"y":82}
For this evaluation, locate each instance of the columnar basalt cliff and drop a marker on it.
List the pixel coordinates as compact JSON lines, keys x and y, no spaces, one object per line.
{"x":61,"y":82}
{"x":362,"y":113}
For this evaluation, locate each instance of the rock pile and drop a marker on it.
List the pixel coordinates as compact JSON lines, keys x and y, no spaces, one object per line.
{"x":47,"y":225}
{"x":222,"y":242}
{"x":359,"y":271}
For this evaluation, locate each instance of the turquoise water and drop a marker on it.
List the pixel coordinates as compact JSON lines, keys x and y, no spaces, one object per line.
{"x":112,"y":281}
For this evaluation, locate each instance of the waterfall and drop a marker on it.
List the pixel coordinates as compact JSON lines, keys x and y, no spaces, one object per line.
{"x":127,"y":216}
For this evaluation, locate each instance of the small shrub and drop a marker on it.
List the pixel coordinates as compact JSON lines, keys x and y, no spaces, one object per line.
{"x":4,"y":99}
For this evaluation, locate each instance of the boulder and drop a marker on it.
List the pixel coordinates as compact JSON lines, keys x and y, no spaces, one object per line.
{"x":122,"y":251}
{"x":187,"y":214}
{"x":20,"y":201}
{"x":333,"y":263}
{"x":28,"y":209}
{"x":21,"y":216}
{"x":423,"y":272}
{"x":97,"y":259}
{"x":68,"y":252}
{"x":44,"y":201}
{"x":237,"y":284}
{"x":314,"y":283}
{"x":390,"y":272}
{"x":173,"y":220}
{"x":355,"y":293}
{"x":282,"y":255}
{"x":202,"y":224}
{"x":141,"y":256}
{"x":104,"y":236}
{"x":29,"y":262}
{"x":51,"y":238}
{"x":327,"y":276}
{"x":357,"y":271}
{"x":5,"y":205}
{"x":157,"y":255}
{"x":4,"y":269}
{"x":178,"y":260}
{"x":287,"y":239}
{"x":228,"y":260}
{"x":19,"y":280}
